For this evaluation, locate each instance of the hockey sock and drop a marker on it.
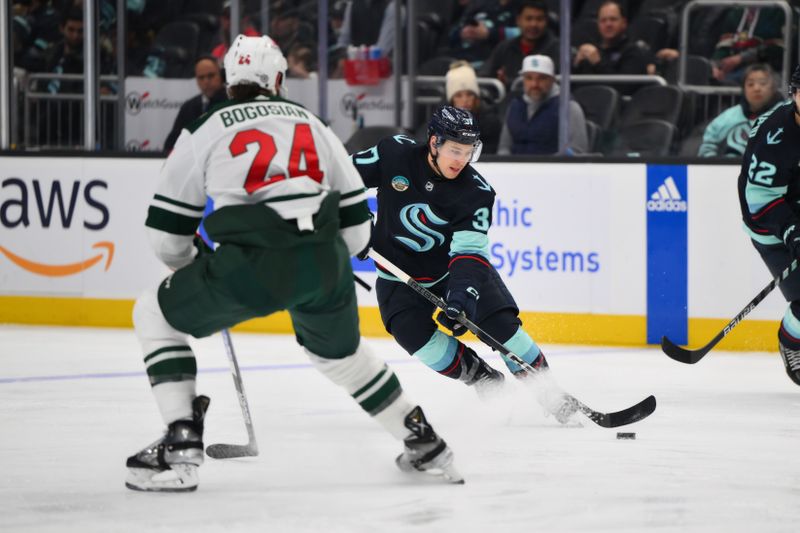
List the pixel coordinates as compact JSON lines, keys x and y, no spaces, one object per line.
{"x":174,"y":399}
{"x":372,"y":384}
{"x":170,"y":362}
{"x":523,"y":345}
{"x":789,"y":332}
{"x":450,"y":357}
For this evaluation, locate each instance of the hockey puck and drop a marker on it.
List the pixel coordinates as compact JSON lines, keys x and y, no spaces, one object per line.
{"x":628,"y":436}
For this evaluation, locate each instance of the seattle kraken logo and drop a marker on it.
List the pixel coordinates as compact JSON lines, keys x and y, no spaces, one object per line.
{"x":415,"y":217}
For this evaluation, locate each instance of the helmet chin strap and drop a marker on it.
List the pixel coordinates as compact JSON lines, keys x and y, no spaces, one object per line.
{"x":434,"y":158}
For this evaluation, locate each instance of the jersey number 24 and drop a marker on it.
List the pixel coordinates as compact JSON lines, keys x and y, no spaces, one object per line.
{"x":302,"y":145}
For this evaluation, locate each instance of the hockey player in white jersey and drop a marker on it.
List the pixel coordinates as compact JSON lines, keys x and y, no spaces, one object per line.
{"x":290,"y":212}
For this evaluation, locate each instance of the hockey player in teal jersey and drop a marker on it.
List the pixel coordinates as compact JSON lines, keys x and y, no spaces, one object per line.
{"x":290,"y":212}
{"x":769,"y":196}
{"x":434,"y":213}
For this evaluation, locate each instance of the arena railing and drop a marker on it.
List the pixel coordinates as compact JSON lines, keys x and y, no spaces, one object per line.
{"x":684,"y":41}
{"x":56,"y":120}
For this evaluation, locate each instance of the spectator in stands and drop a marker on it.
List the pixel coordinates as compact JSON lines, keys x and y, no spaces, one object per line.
{"x":614,"y":53}
{"x":208,"y":75}
{"x":66,"y":56}
{"x":300,"y":61}
{"x":534,"y":38}
{"x":750,"y":34}
{"x":727,"y":134}
{"x":360,"y":28}
{"x":36,"y":26}
{"x":462,"y":90}
{"x":246,"y":28}
{"x":531,"y":125}
{"x":289,"y":30}
{"x":483,"y":24}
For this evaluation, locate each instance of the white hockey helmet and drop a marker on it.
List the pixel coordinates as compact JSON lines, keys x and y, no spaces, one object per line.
{"x":255,"y":60}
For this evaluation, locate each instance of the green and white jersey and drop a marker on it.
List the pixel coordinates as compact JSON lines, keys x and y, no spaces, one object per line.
{"x":265,"y":150}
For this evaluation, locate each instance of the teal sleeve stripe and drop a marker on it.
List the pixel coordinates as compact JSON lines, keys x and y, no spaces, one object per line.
{"x":200,"y":208}
{"x":762,"y":239}
{"x":170,"y":222}
{"x":439,"y":352}
{"x":353,"y":215}
{"x":345,"y":196}
{"x":470,"y":242}
{"x":757,"y":196}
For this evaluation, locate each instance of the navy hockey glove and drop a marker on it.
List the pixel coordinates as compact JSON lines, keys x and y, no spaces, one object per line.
{"x":791,"y":238}
{"x":460,"y":299}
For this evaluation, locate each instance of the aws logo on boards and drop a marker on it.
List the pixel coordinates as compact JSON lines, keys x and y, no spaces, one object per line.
{"x":667,"y":198}
{"x":25,"y":204}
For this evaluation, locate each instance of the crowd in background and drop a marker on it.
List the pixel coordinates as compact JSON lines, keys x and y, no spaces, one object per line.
{"x":514,"y":41}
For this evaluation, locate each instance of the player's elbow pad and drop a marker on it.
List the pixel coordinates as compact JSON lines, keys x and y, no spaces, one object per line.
{"x":469,"y":268}
{"x":356,"y":237}
{"x":175,"y":251}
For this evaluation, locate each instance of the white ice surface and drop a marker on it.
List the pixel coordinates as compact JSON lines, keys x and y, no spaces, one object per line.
{"x":717,"y":455}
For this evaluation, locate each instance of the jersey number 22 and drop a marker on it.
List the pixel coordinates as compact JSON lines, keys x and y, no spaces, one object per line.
{"x":302,"y":145}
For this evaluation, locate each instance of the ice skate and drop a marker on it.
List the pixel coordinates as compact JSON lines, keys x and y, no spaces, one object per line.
{"x":550,"y":396}
{"x":488,"y":382}
{"x":425,"y":451}
{"x":170,"y":464}
{"x":791,"y":360}
{"x":476,"y":372}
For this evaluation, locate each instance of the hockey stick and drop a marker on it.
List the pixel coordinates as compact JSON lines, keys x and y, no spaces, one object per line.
{"x":627,"y":416}
{"x":690,"y":357}
{"x":364,"y":285}
{"x":227,"y":451}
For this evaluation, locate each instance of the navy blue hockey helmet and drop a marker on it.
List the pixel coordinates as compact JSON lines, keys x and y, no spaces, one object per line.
{"x":450,"y":123}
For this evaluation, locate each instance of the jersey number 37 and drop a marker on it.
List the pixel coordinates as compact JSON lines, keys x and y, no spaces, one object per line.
{"x":302,"y":148}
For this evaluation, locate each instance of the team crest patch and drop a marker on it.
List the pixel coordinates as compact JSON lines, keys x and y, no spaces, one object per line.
{"x":400,"y":183}
{"x":429,"y":186}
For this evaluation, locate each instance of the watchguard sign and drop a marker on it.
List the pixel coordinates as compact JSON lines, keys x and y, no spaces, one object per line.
{"x":66,"y":228}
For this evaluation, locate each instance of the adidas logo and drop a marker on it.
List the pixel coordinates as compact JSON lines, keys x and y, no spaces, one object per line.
{"x":667,"y":198}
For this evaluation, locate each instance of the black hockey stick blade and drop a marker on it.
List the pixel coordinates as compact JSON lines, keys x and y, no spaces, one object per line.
{"x":632,"y":414}
{"x":230,"y":451}
{"x":683,"y":355}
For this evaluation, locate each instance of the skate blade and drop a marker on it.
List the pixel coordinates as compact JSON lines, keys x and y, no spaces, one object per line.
{"x":180,"y":478}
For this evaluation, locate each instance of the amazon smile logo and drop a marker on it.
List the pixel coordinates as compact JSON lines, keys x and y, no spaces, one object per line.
{"x":61,"y":270}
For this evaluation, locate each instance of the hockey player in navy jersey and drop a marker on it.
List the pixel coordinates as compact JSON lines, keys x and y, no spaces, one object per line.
{"x":434,"y":212}
{"x":290,"y":211}
{"x":769,"y":195}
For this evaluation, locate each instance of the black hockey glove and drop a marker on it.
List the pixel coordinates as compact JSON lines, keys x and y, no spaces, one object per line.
{"x":791,"y":238}
{"x":461,"y":298}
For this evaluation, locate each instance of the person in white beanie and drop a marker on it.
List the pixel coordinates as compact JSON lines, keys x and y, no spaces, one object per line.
{"x":531,"y":125}
{"x":461,"y":88}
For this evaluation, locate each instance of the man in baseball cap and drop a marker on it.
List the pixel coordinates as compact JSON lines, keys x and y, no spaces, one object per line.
{"x":531,"y":125}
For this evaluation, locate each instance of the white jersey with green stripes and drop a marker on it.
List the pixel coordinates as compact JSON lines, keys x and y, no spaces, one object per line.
{"x":262,"y":150}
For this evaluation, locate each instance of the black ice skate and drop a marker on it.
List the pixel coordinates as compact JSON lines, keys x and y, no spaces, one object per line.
{"x":791,"y":360}
{"x":477,"y":373}
{"x":170,"y":463}
{"x":425,"y":451}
